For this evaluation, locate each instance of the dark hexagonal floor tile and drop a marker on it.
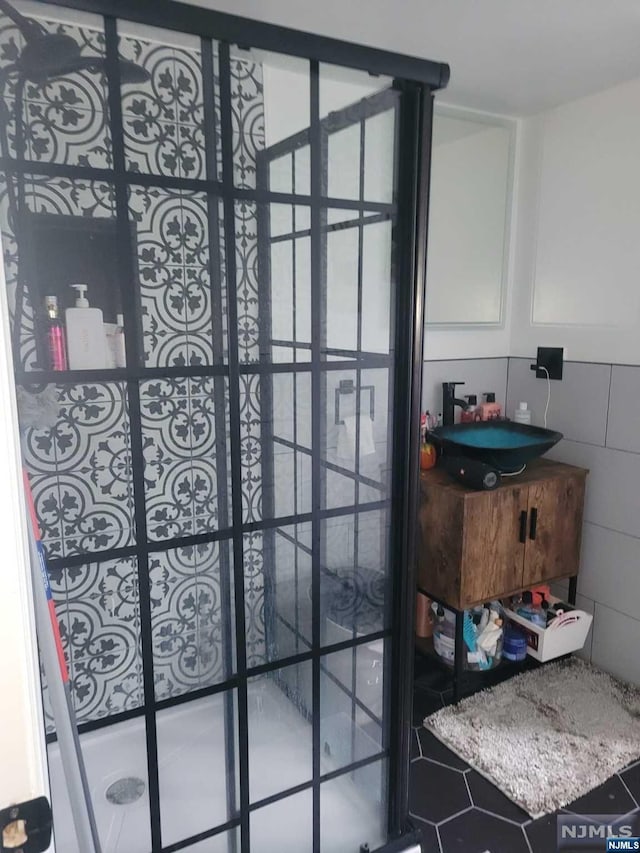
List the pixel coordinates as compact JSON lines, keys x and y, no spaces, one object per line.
{"x":632,"y":780}
{"x":436,"y":792}
{"x":425,"y":703}
{"x":487,"y":796}
{"x":437,"y":751}
{"x":610,"y":798}
{"x":477,"y":832}
{"x":430,"y":843}
{"x":434,"y":679}
{"x":542,"y":834}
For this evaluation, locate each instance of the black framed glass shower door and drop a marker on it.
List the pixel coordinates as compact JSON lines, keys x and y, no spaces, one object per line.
{"x":224,"y":515}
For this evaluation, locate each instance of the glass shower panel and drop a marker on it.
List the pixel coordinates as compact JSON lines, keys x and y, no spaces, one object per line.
{"x":256,"y":568}
{"x":353,"y":809}
{"x":282,"y":315}
{"x":343,"y":90}
{"x":163,"y":117}
{"x":291,"y":425}
{"x":280,"y":734}
{"x":377,"y":244}
{"x":184,"y":426}
{"x":192,"y":624}
{"x":79,"y":468}
{"x":301,"y":165}
{"x":281,"y":174}
{"x":265,"y":119}
{"x":353,"y":725}
{"x":116,"y":762}
{"x":98,"y":610}
{"x":65,"y":119}
{"x":198,"y":768}
{"x":343,"y":263}
{"x":225,"y":842}
{"x":275,"y":422}
{"x":231,"y":481}
{"x":285,"y":826}
{"x":379,"y":163}
{"x":288,"y":611}
{"x":344,"y":163}
{"x":281,"y":220}
{"x":250,"y":327}
{"x":358,"y":431}
{"x":176,"y":236}
{"x":354,"y":583}
{"x":288,"y":264}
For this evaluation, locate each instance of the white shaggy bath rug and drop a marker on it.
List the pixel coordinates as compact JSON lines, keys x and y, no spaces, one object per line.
{"x":547,"y":736}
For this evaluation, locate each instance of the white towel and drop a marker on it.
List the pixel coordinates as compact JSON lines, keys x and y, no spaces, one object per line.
{"x":346,"y":449}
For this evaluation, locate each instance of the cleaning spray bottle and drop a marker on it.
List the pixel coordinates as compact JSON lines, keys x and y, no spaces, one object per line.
{"x":86,"y":343}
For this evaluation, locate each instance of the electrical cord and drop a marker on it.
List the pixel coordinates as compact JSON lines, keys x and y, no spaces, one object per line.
{"x":513,"y":473}
{"x":546,"y":408}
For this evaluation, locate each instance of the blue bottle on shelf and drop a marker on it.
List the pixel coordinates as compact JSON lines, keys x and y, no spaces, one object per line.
{"x":528,"y":610}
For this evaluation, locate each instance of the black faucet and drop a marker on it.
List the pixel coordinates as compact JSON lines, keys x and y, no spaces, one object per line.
{"x":450,"y":401}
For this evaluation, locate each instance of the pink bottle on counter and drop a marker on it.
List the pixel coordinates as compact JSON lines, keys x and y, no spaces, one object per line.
{"x":489,"y":409}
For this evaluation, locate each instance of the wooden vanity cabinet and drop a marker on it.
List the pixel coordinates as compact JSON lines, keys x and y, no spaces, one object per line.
{"x":479,"y":545}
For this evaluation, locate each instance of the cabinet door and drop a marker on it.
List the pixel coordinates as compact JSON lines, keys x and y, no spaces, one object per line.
{"x":494,"y":535}
{"x":554,"y":530}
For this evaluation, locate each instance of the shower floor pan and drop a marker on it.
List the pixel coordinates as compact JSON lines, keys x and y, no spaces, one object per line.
{"x":193,"y":785}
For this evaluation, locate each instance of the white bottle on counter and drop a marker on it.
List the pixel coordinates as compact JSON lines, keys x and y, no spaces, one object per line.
{"x":86,"y":344}
{"x":522,"y":414}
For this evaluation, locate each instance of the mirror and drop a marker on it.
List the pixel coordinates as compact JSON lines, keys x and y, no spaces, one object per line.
{"x":470,"y":208}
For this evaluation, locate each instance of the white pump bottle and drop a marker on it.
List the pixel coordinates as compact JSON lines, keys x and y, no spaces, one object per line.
{"x":86,"y":346}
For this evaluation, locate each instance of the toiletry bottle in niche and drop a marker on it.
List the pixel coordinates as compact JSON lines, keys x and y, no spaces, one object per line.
{"x":471,"y":413}
{"x":114,"y":342}
{"x":522,"y":414}
{"x":56,"y":346}
{"x":120,"y":350}
{"x":489,"y":409}
{"x":86,"y":341}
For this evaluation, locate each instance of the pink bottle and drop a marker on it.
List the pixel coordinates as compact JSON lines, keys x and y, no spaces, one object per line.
{"x":56,"y":344}
{"x":472,"y":413}
{"x":490,"y":410}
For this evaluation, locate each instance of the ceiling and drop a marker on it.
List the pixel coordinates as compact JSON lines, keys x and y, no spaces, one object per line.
{"x":515,"y":57}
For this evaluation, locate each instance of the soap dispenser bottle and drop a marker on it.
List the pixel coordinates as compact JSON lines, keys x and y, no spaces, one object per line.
{"x":490,"y":410}
{"x":86,"y":345}
{"x":470,"y":414}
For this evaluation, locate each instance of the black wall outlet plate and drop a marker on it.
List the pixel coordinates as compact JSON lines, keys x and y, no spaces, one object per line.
{"x":553,"y":359}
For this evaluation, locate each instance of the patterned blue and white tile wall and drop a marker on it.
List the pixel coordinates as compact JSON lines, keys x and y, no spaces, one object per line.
{"x":81,"y":467}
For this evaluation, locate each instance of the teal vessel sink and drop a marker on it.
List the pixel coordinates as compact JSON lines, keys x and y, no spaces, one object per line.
{"x":505,"y":445}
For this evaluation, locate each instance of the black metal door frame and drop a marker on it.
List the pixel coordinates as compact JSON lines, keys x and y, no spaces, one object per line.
{"x":416,"y":80}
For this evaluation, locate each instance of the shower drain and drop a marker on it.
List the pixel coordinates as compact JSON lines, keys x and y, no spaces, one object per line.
{"x":125,"y":791}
